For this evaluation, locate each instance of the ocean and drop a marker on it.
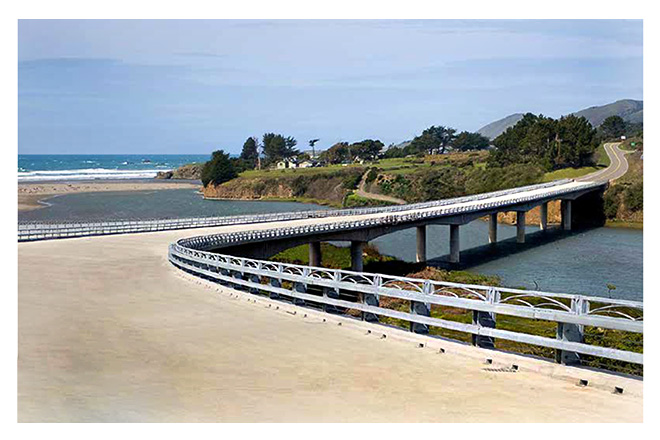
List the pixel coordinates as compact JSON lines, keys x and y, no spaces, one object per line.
{"x":46,"y":167}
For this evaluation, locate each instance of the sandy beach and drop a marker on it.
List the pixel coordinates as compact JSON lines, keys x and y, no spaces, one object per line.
{"x":30,"y":194}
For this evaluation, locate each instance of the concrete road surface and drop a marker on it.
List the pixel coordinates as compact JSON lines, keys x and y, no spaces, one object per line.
{"x":110,"y":331}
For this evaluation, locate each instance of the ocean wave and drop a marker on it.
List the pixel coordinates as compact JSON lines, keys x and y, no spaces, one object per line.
{"x":86,"y":174}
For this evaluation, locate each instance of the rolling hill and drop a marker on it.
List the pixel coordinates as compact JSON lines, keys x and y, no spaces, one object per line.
{"x":629,"y":109}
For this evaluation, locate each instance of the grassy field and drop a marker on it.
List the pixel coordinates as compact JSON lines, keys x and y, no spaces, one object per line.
{"x":568,"y":173}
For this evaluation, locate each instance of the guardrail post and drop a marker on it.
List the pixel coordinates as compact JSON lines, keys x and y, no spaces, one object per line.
{"x":485,"y":319}
{"x":275,"y":283}
{"x":330,"y":292}
{"x":254,"y":279}
{"x":571,"y":333}
{"x":238,"y":276}
{"x":422,"y":309}
{"x":371,"y":300}
{"x":301,"y":288}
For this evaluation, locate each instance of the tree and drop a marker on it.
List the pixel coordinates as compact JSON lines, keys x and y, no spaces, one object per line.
{"x":218,"y":170}
{"x":567,"y":142}
{"x":250,"y":152}
{"x":338,"y":153}
{"x":470,"y":141}
{"x":434,"y":138}
{"x":277,"y":147}
{"x":613,"y":127}
{"x":367,"y":149}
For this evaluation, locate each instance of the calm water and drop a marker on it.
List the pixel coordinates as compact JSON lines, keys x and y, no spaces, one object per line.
{"x":583,"y":262}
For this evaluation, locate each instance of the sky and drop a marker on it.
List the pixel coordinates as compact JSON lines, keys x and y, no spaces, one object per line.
{"x":195,"y":86}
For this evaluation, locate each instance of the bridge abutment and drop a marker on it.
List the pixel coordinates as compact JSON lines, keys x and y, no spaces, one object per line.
{"x":421,"y":244}
{"x":454,"y":244}
{"x":492,"y":228}
{"x":520,"y":226}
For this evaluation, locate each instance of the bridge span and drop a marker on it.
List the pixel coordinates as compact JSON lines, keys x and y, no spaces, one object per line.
{"x":109,"y":331}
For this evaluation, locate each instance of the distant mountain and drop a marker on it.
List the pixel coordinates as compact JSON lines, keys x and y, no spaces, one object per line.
{"x":629,"y":109}
{"x":494,"y":129}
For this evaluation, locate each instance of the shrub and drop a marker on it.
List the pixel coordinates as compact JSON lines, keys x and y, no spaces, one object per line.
{"x":351,"y":182}
{"x":218,"y":170}
{"x":634,"y":197}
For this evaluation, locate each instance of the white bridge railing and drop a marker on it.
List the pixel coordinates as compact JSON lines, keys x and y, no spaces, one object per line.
{"x":571,"y":312}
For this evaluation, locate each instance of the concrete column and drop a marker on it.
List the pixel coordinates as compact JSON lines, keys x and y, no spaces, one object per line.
{"x":492,"y":229}
{"x":543,"y":222}
{"x":566,"y":211}
{"x":520,"y":226}
{"x":454,"y":244}
{"x":315,"y":254}
{"x":356,"y":255}
{"x":421,"y":244}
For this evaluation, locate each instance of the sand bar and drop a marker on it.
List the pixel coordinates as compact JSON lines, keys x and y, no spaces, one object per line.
{"x":110,"y":331}
{"x":30,"y":194}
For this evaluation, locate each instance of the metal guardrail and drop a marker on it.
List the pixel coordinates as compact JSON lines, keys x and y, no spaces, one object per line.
{"x":28,"y":231}
{"x":564,"y":309}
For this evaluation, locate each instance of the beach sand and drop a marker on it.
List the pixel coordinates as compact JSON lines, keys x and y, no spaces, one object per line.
{"x":110,"y":331}
{"x":31,"y":194}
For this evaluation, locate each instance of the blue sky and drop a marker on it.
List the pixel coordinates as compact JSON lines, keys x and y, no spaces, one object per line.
{"x":191,"y":86}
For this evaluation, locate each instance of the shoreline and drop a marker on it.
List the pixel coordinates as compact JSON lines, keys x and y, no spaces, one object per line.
{"x":34,"y":194}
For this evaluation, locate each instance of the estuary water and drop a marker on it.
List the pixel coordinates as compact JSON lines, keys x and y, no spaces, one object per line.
{"x":581,"y":262}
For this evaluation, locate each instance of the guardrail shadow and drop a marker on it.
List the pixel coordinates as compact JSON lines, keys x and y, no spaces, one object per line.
{"x":489,"y":252}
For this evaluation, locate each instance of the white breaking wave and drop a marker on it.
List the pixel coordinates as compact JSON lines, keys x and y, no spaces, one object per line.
{"x":87,"y":174}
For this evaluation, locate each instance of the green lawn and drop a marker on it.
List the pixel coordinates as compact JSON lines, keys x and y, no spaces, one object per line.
{"x":568,"y":173}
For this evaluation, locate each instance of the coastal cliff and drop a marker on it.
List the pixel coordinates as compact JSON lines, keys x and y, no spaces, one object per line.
{"x":191,"y":171}
{"x":327,"y":188}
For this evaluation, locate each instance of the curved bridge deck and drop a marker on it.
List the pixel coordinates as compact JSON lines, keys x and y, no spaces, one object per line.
{"x":110,"y":331}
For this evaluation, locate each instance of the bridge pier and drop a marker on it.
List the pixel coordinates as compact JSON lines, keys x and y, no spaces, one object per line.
{"x":421,"y":244}
{"x":492,"y":229}
{"x":357,"y":248}
{"x":543,"y":221}
{"x":520,"y":226}
{"x":454,"y":244}
{"x":315,"y":254}
{"x":566,"y":214}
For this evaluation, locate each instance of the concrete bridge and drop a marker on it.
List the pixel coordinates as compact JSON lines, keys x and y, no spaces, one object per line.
{"x":361,"y":226}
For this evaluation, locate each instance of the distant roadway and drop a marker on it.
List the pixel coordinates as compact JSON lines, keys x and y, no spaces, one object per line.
{"x":618,"y":165}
